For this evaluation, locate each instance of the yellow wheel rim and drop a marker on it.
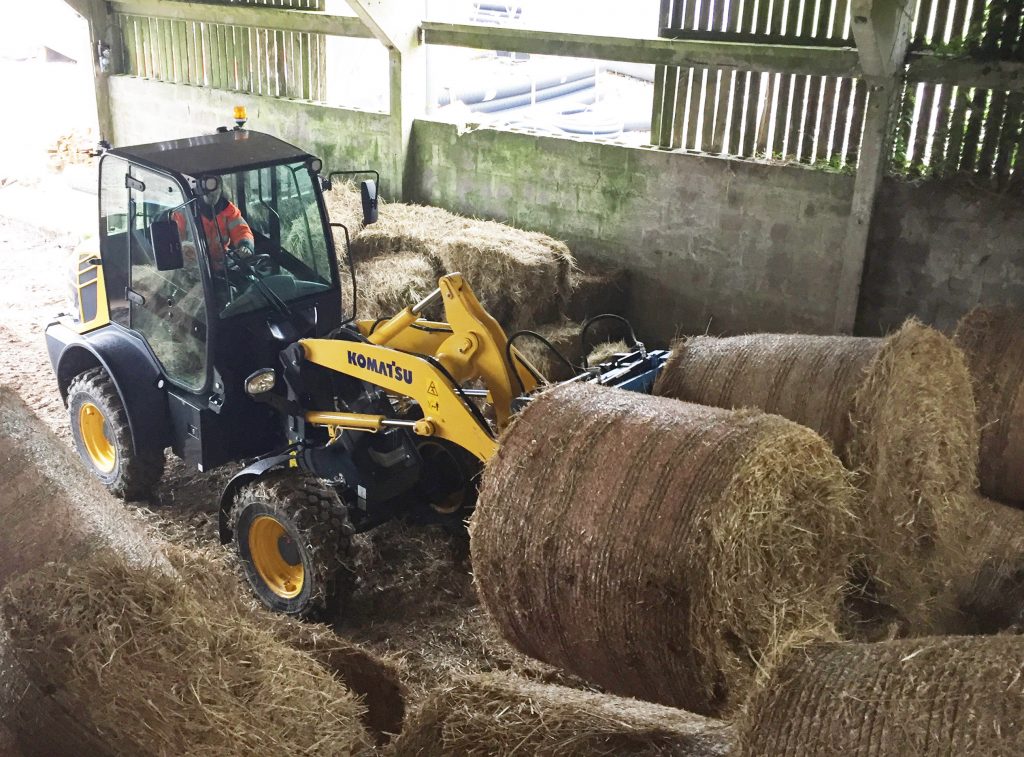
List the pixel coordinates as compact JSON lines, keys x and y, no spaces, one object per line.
{"x":98,"y":446}
{"x":275,"y":557}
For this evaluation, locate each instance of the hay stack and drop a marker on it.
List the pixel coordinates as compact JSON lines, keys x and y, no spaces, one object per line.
{"x":598,"y":289}
{"x":899,"y":411}
{"x":159,"y":668}
{"x":657,"y":548}
{"x":502,"y":715}
{"x":954,"y":695}
{"x":523,"y":278}
{"x":993,"y":342}
{"x":389,"y":283}
{"x":345,"y":206}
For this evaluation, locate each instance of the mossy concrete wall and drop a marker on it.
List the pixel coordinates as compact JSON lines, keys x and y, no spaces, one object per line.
{"x":711,"y":244}
{"x":145,"y":110}
{"x":937,"y":249}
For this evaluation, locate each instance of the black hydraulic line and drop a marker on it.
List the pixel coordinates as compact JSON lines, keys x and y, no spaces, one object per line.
{"x":633,"y":342}
{"x":549,"y":345}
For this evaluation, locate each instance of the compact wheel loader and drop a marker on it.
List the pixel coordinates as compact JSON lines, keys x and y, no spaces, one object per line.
{"x":228,"y":355}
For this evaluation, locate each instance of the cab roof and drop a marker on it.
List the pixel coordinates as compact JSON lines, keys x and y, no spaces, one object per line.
{"x":223,"y":152}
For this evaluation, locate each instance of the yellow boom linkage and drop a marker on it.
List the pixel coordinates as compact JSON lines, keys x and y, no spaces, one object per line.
{"x":469,"y":346}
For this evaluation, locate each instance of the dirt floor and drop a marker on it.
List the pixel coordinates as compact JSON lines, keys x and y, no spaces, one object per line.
{"x":415,"y":599}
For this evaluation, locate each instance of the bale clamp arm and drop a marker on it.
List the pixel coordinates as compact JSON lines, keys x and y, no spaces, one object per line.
{"x":428,"y":362}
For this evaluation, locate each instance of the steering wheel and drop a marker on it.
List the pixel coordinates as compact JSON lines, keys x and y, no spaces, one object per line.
{"x":261,"y":263}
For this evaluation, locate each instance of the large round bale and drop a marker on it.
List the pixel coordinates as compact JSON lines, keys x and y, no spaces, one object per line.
{"x":991,"y":598}
{"x":899,"y":411}
{"x":656,"y":548}
{"x":523,"y":278}
{"x":993,"y":342}
{"x":52,"y":507}
{"x":156,"y":667}
{"x":952,"y":695}
{"x":499,"y":715}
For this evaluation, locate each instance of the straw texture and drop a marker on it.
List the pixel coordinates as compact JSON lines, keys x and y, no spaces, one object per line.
{"x":959,"y":696}
{"x":993,"y":342}
{"x":898,"y":411}
{"x":657,"y":548}
{"x":500,"y":716}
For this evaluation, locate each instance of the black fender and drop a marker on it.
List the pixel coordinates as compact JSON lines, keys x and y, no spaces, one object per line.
{"x":240,"y":479}
{"x":136,"y":374}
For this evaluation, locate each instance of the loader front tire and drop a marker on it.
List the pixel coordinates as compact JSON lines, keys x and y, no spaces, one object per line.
{"x":103,"y":438}
{"x":294,"y":542}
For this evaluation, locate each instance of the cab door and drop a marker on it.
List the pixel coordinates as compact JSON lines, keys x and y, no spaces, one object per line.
{"x":168,"y":308}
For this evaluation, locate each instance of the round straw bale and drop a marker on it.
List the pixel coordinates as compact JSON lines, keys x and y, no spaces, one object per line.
{"x":499,"y":714}
{"x":993,"y":342}
{"x":992,"y":597}
{"x":899,"y":411}
{"x":389,"y":283}
{"x":949,"y":695}
{"x":160,"y":668}
{"x":658,"y":548}
{"x":52,"y":508}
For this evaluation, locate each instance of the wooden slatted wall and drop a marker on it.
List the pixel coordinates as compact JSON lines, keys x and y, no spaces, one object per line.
{"x":243,"y":59}
{"x":750,"y":114}
{"x":941,"y":130}
{"x":946,"y":129}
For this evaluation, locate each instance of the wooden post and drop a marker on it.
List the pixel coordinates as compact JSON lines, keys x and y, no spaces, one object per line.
{"x":396,"y":24}
{"x":882,"y":31}
{"x":97,"y":15}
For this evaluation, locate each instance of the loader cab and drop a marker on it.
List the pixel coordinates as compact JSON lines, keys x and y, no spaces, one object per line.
{"x":216,"y":251}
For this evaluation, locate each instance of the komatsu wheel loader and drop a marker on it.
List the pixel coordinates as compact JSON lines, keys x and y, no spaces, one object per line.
{"x":245,"y":355}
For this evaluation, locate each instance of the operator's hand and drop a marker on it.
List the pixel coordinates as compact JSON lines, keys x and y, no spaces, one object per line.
{"x":188,"y":252}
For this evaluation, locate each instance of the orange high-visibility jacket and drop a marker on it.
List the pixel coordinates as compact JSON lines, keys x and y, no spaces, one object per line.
{"x":224,"y":228}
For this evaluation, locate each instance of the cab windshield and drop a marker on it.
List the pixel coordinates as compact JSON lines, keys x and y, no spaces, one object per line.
{"x":264,"y":224}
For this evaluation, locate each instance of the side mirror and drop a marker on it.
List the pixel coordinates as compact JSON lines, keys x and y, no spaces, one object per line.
{"x":368,"y":191}
{"x":166,"y":245}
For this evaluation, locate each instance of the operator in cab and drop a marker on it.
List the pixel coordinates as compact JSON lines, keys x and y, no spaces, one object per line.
{"x":223,"y":225}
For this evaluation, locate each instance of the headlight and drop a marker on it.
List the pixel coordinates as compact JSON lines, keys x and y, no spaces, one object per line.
{"x":260,"y":382}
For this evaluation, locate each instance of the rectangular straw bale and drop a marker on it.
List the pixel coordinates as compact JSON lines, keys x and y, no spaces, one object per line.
{"x":522,"y":278}
{"x":390,"y":282}
{"x":598,"y":289}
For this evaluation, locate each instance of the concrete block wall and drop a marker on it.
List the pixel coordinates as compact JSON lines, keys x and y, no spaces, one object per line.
{"x":937,"y":249}
{"x":145,"y":110}
{"x":712,"y":244}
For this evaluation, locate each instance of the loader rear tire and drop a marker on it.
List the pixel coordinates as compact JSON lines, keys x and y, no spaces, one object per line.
{"x":103,"y":438}
{"x":293,"y":539}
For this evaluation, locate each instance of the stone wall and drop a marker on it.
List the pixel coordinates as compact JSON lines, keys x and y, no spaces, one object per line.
{"x":711,"y":244}
{"x":145,"y":110}
{"x":937,"y":249}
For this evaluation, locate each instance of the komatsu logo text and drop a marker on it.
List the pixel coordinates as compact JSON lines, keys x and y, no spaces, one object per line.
{"x":391,"y":370}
